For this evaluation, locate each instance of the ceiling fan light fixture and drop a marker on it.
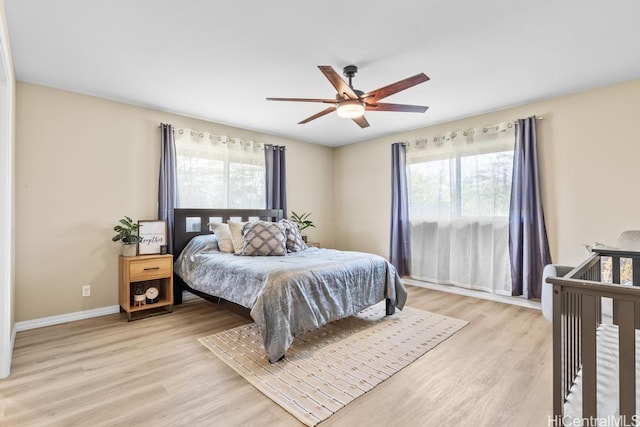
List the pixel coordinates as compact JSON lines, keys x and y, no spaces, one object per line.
{"x":350,"y":109}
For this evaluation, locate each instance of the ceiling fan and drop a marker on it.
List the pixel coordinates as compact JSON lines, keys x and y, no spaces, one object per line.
{"x":351,"y":103}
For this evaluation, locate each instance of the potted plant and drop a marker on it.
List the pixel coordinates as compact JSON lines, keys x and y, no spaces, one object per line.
{"x":302,"y":221}
{"x":128,"y":234}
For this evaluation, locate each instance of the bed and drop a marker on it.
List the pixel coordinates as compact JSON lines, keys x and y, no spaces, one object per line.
{"x":286,"y":295}
{"x":596,"y":369}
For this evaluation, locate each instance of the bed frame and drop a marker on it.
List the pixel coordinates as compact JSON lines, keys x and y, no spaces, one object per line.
{"x":577,"y":314}
{"x":189,"y":223}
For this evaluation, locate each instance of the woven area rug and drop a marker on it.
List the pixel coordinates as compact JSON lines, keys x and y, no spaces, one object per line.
{"x":326,"y":369}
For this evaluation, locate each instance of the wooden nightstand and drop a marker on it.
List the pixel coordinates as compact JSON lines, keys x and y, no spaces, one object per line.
{"x":140,"y":273}
{"x":314,"y":244}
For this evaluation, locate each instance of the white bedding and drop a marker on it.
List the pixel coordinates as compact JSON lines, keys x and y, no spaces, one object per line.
{"x":607,"y":380}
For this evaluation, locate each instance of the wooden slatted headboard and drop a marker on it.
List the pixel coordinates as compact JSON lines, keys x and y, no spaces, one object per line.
{"x":193,"y":222}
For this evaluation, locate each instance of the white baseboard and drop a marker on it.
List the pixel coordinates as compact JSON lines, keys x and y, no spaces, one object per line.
{"x":475,"y":294}
{"x":78,"y":315}
{"x":64,"y":318}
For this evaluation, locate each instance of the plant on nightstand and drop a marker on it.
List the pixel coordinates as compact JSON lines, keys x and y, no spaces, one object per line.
{"x":302,"y":221}
{"x":128,"y":234}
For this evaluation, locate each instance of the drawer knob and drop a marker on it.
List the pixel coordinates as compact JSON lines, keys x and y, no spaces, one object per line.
{"x":151,"y":268}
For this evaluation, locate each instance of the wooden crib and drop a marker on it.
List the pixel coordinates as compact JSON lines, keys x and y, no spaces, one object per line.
{"x":581,"y":339}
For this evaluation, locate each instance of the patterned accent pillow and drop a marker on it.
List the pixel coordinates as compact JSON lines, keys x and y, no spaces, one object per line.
{"x":223,"y":233}
{"x":294,"y":238}
{"x":264,"y":238}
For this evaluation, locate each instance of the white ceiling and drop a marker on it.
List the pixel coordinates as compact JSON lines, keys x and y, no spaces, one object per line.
{"x":219,"y":60}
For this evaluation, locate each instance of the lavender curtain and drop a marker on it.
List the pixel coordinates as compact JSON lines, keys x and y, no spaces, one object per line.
{"x":167,"y":186}
{"x":276,"y":172}
{"x":528,"y":245}
{"x":400,"y":251}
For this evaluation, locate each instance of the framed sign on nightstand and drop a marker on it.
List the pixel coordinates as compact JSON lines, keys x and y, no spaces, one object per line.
{"x":153,"y":234}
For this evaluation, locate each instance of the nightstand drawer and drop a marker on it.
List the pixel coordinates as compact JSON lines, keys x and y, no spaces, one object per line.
{"x":149,"y":269}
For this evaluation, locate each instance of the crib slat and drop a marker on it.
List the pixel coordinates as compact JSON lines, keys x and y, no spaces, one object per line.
{"x":636,"y":282}
{"x":558,"y":395}
{"x":573,"y":354}
{"x":615,"y":271}
{"x":576,"y":337}
{"x":566,"y":339}
{"x":615,"y":268}
{"x":627,"y":348}
{"x":588,"y":352}
{"x":567,"y":347}
{"x":577,"y":361}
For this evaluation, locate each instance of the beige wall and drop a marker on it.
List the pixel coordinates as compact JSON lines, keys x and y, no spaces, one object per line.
{"x":84,"y":162}
{"x":589,"y":155}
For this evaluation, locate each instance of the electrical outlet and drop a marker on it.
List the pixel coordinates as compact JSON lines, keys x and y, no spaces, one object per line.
{"x":86,"y":291}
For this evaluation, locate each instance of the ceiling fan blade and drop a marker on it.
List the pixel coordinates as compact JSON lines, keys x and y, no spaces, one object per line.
{"x":320,"y":114}
{"x":383,"y":106}
{"x":396,"y":87}
{"x":361,"y":121}
{"x":326,"y":101}
{"x":341,"y":86}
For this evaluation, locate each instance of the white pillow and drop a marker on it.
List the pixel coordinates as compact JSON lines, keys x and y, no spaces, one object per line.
{"x":236,"y":235}
{"x":223,"y":233}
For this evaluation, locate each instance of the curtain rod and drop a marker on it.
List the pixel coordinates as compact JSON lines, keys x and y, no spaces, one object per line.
{"x":201,"y":134}
{"x":181,"y":131}
{"x":485,"y":129}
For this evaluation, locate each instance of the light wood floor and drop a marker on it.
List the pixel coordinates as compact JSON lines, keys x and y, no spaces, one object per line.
{"x":153,"y":372}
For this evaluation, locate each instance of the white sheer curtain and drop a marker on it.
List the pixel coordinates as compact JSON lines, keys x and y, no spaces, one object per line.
{"x":459,"y":191}
{"x":217,"y":171}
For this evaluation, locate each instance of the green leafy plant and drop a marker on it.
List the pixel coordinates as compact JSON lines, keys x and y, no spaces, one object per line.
{"x":127,"y":231}
{"x":302,"y":220}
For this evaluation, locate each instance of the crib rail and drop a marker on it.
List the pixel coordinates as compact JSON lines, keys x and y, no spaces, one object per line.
{"x":577,"y":313}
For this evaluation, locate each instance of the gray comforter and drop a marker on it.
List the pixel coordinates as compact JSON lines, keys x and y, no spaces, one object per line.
{"x":289,"y":295}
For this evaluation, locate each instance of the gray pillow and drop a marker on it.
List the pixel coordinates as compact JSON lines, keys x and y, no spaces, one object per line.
{"x":294,"y":238}
{"x":263,"y":238}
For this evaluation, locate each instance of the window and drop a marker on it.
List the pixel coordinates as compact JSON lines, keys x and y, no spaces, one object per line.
{"x":459,"y":195}
{"x":468,"y":178}
{"x":215,"y":171}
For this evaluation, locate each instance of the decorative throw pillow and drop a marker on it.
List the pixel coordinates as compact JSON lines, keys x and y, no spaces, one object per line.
{"x":294,"y":238}
{"x":223,"y":233}
{"x":236,"y":235}
{"x":264,"y":238}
